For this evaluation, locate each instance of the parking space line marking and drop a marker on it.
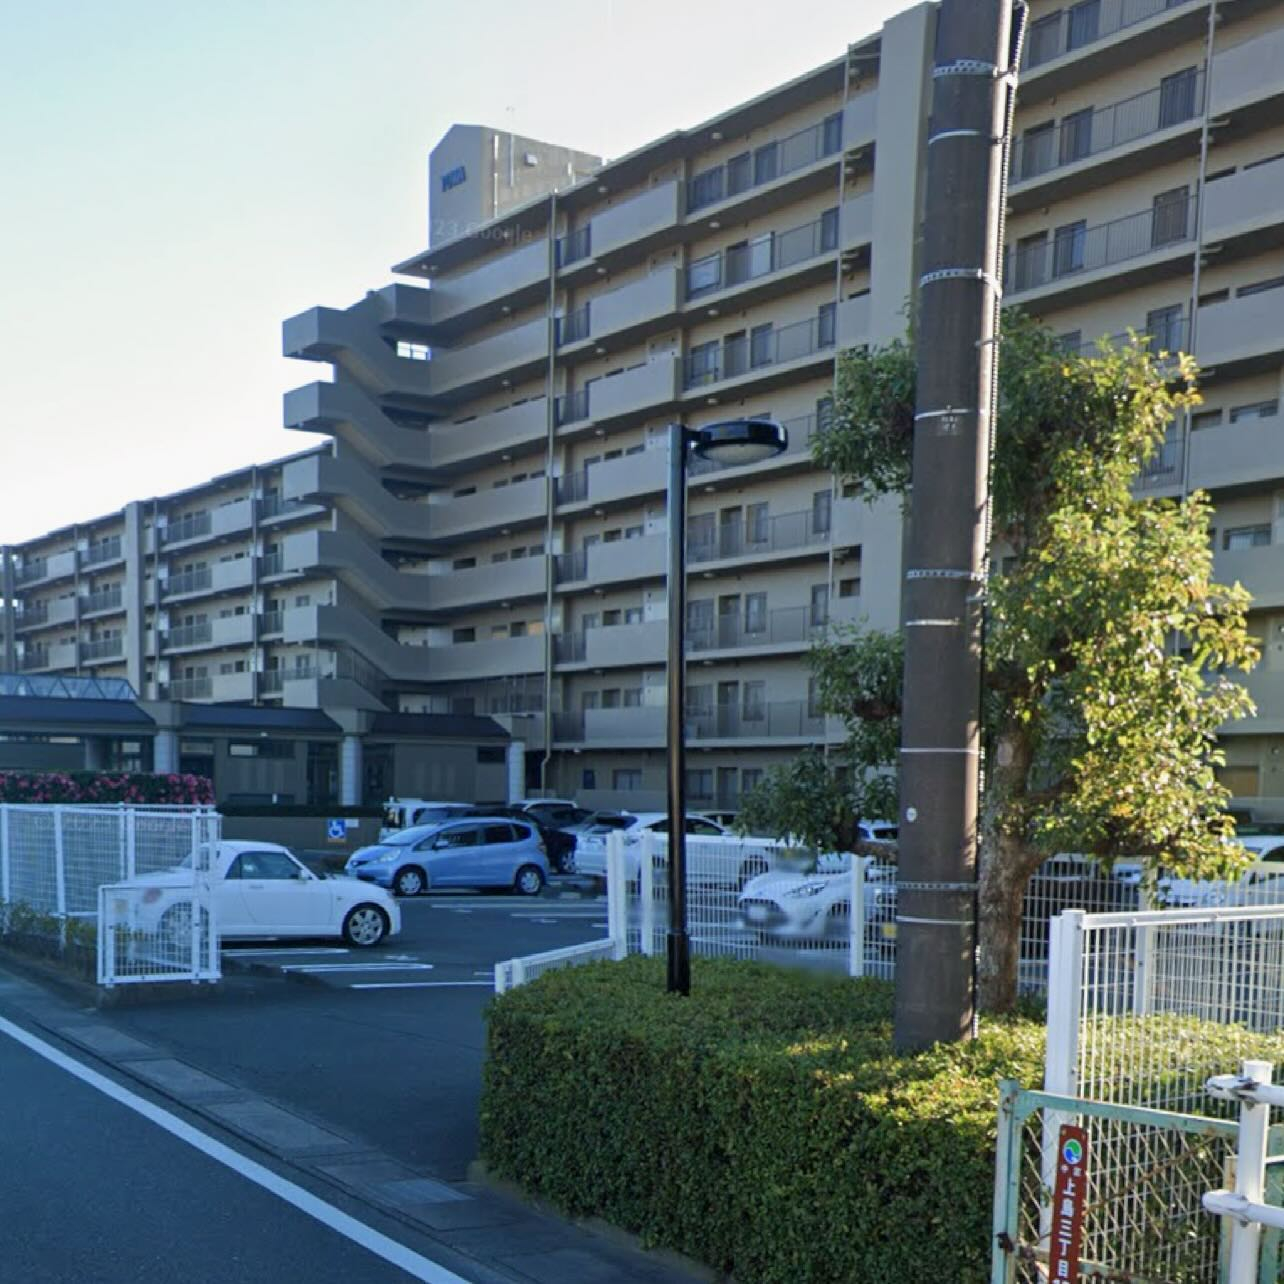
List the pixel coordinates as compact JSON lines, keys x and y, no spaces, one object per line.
{"x":416,"y":985}
{"x":337,"y":949}
{"x":381,"y":1245}
{"x":357,"y":967}
{"x":490,"y":972}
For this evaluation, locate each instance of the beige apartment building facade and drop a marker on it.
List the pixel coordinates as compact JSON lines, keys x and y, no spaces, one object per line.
{"x":487,"y":532}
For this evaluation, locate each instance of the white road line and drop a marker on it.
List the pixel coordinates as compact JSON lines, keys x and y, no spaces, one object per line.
{"x":414,"y":1264}
{"x":489,"y":972}
{"x":415,"y":985}
{"x":357,"y":967}
{"x":326,"y":950}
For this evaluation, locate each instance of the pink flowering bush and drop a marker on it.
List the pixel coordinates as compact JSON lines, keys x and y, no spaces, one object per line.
{"x":104,"y":787}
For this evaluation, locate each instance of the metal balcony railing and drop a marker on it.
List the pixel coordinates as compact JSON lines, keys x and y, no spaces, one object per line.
{"x":36,"y":569}
{"x":190,"y":634}
{"x":753,"y":538}
{"x":271,"y":681}
{"x":275,"y":506}
{"x":107,"y":550}
{"x":191,"y":688}
{"x":102,"y":649}
{"x":272,"y":564}
{"x":575,"y":246}
{"x":757,"y":351}
{"x":766,"y":164}
{"x":1168,"y":334}
{"x":570,"y":566}
{"x":571,"y":488}
{"x":776,"y":628}
{"x":569,"y":648}
{"x":38,"y":613}
{"x":1085,"y":23}
{"x":568,"y":726}
{"x":572,"y":327}
{"x":1076,"y":137}
{"x":272,"y":622}
{"x":779,"y":718}
{"x":571,"y":407}
{"x":1078,"y":249}
{"x":740,"y":263}
{"x":38,"y":659}
{"x":190,"y":581}
{"x":191,"y":527}
{"x":1164,"y":467}
{"x":103,"y":600}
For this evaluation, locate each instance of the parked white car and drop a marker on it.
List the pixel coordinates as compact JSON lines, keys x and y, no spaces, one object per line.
{"x":785,"y":907}
{"x":262,"y":890}
{"x":406,"y":813}
{"x":1262,"y":883}
{"x":714,"y":854}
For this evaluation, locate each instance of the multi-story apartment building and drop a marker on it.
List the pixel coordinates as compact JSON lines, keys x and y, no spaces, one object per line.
{"x":493,"y":538}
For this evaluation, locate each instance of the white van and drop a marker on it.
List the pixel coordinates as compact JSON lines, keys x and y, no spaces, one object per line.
{"x":403,"y":813}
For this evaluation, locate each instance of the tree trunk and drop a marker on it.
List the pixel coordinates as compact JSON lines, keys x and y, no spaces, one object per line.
{"x":1007,"y":862}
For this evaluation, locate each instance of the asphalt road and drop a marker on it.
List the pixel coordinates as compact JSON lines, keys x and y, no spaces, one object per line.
{"x":91,"y":1190}
{"x":387,"y":1043}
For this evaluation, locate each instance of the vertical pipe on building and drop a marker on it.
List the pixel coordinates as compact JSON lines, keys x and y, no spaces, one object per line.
{"x":550,"y":487}
{"x":945,"y":575}
{"x":10,"y":615}
{"x":1205,"y":135}
{"x":256,"y":619}
{"x":678,"y":942}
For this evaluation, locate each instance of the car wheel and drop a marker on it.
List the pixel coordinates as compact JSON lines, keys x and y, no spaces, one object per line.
{"x":364,"y":926}
{"x":529,"y":881}
{"x":410,"y":881}
{"x":568,"y":862}
{"x":176,"y":926}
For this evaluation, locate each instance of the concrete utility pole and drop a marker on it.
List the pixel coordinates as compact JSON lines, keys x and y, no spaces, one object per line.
{"x":946,"y":562}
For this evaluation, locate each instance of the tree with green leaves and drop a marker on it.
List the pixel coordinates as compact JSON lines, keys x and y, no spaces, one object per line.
{"x":1109,"y":647}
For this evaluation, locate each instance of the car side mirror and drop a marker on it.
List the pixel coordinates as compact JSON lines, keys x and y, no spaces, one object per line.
{"x":303,"y":876}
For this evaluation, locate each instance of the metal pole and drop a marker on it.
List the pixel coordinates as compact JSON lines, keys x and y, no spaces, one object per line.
{"x":678,"y":943}
{"x":1250,"y":1176}
{"x":946,"y":562}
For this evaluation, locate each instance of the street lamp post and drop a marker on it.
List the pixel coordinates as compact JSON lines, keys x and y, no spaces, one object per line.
{"x":730,"y":442}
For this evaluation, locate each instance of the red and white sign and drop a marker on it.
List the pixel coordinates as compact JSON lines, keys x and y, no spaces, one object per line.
{"x":1067,"y":1205}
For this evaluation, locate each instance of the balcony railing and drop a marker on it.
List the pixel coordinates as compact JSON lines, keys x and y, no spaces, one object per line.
{"x":272,"y":564}
{"x":29,"y":571}
{"x":276,"y":506}
{"x":1164,"y":467}
{"x":571,"y":488}
{"x":271,"y":681}
{"x":107,"y":550}
{"x":571,"y":407}
{"x":1167,"y":334}
{"x":766,"y":164}
{"x":37,"y":613}
{"x":572,"y":327}
{"x":1085,"y":23}
{"x":570,"y":566}
{"x":775,"y":628}
{"x":569,"y":648}
{"x":191,"y":688}
{"x":190,"y":581}
{"x":750,"y":538}
{"x":103,"y":600}
{"x":272,"y":622}
{"x":740,"y":263}
{"x":574,"y":246}
{"x":1074,"y":138}
{"x":190,"y":527}
{"x":779,"y":718}
{"x":191,"y":634}
{"x":102,"y":649}
{"x":1074,"y":250}
{"x":757,"y":351}
{"x":37,"y":659}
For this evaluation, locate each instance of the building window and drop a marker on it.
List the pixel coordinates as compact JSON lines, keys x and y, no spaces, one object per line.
{"x":700,"y":782}
{"x":750,"y":779}
{"x":463,"y":564}
{"x":633,"y":615}
{"x":703,"y":363}
{"x":611,"y":698}
{"x":632,"y":697}
{"x":1239,"y":537}
{"x":1076,"y":136}
{"x":588,"y":778}
{"x":814,"y":709}
{"x":818,"y":615}
{"x":739,"y":174}
{"x":826,"y":319}
{"x":1205,"y":419}
{"x":468,"y":634}
{"x":1258,"y":410}
{"x":755,"y":613}
{"x":590,"y":700}
{"x":1085,"y":21}
{"x":1168,"y":219}
{"x":1069,"y":243}
{"x":822,"y":507}
{"x":766,"y":163}
{"x":760,"y":345}
{"x":1031,"y":261}
{"x":755,"y":701}
{"x":626,"y":779}
{"x":278,"y":749}
{"x":1036,"y":149}
{"x":1177,"y":97}
{"x":1045,"y":39}
{"x":756,"y":528}
{"x":849,"y":587}
{"x":1166,"y":328}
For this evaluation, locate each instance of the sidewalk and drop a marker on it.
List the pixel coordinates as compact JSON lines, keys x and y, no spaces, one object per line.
{"x":486,"y":1234}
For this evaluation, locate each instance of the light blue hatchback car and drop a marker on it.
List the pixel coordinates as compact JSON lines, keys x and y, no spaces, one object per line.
{"x":473,"y":851}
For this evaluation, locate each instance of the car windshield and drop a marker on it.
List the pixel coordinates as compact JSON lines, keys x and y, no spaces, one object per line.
{"x":408,"y":837}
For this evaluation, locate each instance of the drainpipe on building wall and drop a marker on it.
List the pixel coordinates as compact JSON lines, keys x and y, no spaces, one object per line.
{"x":550,"y":489}
{"x":1205,"y":137}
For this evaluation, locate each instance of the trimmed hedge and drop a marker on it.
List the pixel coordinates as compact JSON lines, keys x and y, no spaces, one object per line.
{"x":104,"y":787}
{"x":764,"y":1125}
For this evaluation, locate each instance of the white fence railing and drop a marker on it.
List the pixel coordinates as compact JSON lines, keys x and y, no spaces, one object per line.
{"x":60,"y":860}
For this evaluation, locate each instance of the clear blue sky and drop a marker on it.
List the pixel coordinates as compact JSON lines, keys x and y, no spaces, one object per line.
{"x":179,"y":177}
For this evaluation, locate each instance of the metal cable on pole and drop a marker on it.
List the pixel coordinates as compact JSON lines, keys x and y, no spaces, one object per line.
{"x":947,"y":553}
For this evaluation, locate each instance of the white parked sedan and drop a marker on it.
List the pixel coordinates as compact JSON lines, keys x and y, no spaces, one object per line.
{"x":262,"y":890}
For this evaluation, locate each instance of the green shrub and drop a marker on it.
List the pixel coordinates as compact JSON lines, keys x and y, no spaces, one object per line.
{"x":764,"y":1125}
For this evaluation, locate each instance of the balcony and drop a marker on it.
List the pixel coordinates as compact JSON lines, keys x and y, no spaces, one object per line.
{"x":860,"y":121}
{"x":633,"y":309}
{"x":223,"y":631}
{"x":104,"y":600}
{"x":222,"y":577}
{"x":766,"y":165}
{"x":98,"y":554}
{"x":505,"y":279}
{"x":352,"y":341}
{"x":716,"y":274}
{"x":790,"y":627}
{"x":746,"y":358}
{"x":37,"y":615}
{"x":628,"y":726}
{"x":853,"y":322}
{"x":620,"y":562}
{"x":615,"y":481}
{"x":1237,"y":454}
{"x":1245,"y":203}
{"x":521,"y":503}
{"x":229,"y":519}
{"x":1051,"y":163}
{"x":800,"y":431}
{"x":648,"y":387}
{"x":856,"y":222}
{"x":487,"y":436}
{"x":357,"y":491}
{"x":37,"y":570}
{"x":614,"y":646}
{"x":496,"y":658}
{"x":271,"y":507}
{"x":99,"y":649}
{"x":201,"y":688}
{"x":776,"y":720}
{"x":1073,"y":261}
{"x":62,"y":655}
{"x":1244,"y":331}
{"x":805,"y":531}
{"x":511,"y":353}
{"x":1260,"y":570}
{"x":1248,"y":74}
{"x":344,"y":411}
{"x":634,"y":222}
{"x":496,"y":582}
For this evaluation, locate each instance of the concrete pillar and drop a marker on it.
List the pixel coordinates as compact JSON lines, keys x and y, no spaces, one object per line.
{"x":165,"y":751}
{"x":350,"y":784}
{"x":515,"y":760}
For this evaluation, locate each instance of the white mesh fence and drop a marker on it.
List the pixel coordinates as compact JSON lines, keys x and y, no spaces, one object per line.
{"x":57,"y":859}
